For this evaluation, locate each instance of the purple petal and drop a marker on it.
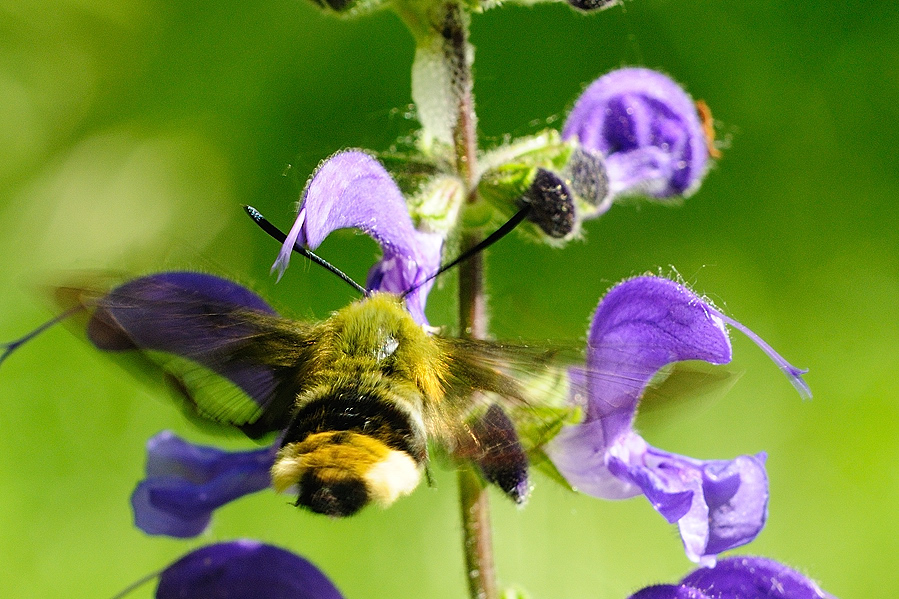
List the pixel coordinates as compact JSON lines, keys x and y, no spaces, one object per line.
{"x":736,"y":493}
{"x":580,"y":453}
{"x":188,"y":314}
{"x":727,"y":504}
{"x":186,"y":482}
{"x":648,"y":130}
{"x":739,"y":578}
{"x":717,"y":504}
{"x":640,"y":326}
{"x":244,"y":570}
{"x":669,"y":591}
{"x":753,"y":578}
{"x":352,"y":190}
{"x":396,"y":274}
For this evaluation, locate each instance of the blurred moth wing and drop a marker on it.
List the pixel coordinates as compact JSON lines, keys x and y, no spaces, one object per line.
{"x":356,"y":399}
{"x":359,"y":401}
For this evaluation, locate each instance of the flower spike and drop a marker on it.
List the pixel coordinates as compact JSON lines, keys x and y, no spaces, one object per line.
{"x":640,"y":326}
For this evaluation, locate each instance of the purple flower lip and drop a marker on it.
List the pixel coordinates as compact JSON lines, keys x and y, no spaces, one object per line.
{"x":640,"y":326}
{"x":185,"y":483}
{"x":646,"y":128}
{"x":352,"y":190}
{"x":244,"y":569}
{"x":739,"y":578}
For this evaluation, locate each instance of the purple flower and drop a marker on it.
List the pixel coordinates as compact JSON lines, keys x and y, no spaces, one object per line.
{"x":244,"y":570}
{"x":352,"y":190}
{"x":640,"y":326}
{"x":188,"y":314}
{"x":739,"y":578}
{"x":186,"y":482}
{"x":646,"y":128}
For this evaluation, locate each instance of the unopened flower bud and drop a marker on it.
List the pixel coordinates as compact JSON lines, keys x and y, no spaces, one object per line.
{"x":588,"y":5}
{"x":552,"y":204}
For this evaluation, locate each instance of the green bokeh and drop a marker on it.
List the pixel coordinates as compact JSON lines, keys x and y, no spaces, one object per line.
{"x":131,"y":131}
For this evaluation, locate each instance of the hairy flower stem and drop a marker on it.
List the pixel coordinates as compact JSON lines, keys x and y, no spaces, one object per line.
{"x":457,"y":54}
{"x":477,"y":541}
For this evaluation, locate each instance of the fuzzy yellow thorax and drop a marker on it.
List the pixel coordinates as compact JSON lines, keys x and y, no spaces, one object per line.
{"x":377,"y":334}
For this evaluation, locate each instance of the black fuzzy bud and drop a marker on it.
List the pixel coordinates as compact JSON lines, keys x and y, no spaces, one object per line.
{"x":588,"y":178}
{"x":592,"y":4}
{"x":551,"y":203}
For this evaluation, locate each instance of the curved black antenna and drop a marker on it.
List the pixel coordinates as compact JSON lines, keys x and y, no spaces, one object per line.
{"x":279,"y":235}
{"x":483,"y":245}
{"x":11,"y":346}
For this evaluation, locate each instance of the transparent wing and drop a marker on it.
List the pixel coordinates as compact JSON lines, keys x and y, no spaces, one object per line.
{"x":502,"y":402}
{"x":224,"y":350}
{"x":505,"y":401}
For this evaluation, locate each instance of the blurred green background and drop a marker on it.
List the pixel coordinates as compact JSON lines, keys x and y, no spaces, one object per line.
{"x":131,"y":131}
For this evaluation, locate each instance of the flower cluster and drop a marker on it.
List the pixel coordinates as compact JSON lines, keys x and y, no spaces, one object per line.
{"x":640,"y":326}
{"x":633,"y":132}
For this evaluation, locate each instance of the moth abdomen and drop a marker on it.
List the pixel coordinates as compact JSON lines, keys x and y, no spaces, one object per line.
{"x":347,"y":448}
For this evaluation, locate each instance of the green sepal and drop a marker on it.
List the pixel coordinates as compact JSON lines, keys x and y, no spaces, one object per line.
{"x":509,"y":171}
{"x":433,"y":195}
{"x":411,"y":172}
{"x":545,"y":149}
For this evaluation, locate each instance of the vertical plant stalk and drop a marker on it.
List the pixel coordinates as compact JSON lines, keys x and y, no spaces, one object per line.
{"x":473,"y":498}
{"x":457,"y":54}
